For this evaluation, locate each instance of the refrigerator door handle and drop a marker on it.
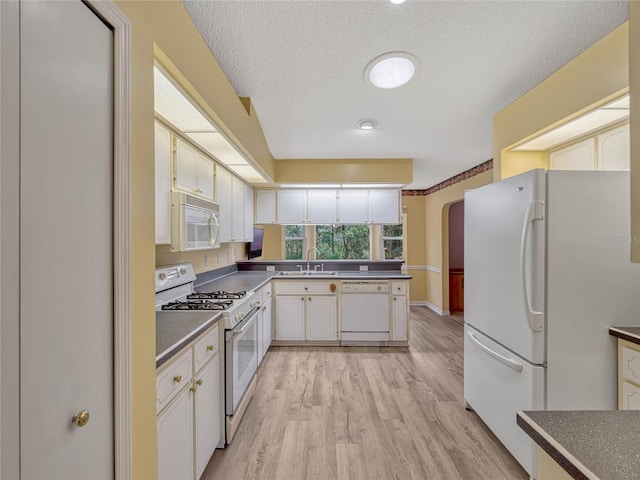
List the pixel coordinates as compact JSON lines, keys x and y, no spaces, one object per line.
{"x":512,"y":364}
{"x":535,"y":211}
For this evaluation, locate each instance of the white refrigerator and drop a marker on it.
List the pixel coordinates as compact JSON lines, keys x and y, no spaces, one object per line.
{"x":547,"y":271}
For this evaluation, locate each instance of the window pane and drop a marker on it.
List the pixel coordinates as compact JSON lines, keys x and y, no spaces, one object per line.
{"x":392,"y":249}
{"x":293,"y":231}
{"x":392,"y":230}
{"x":293,"y":249}
{"x":341,"y":242}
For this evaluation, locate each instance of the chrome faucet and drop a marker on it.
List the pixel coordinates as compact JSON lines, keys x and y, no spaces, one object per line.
{"x":309,"y":251}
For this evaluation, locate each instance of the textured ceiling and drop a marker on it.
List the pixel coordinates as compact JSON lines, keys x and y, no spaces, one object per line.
{"x":302,"y":64}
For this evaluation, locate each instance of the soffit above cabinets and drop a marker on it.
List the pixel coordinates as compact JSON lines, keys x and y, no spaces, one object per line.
{"x":604,"y":116}
{"x":175,"y":108}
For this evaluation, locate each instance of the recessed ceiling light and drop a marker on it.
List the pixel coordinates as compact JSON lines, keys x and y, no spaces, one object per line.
{"x":398,"y":2}
{"x":391,"y":70}
{"x":367,"y":124}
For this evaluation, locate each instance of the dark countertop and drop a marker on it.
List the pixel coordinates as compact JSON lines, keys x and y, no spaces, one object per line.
{"x":174,"y":330}
{"x":588,"y":444}
{"x":631,"y":334}
{"x":236,"y":282}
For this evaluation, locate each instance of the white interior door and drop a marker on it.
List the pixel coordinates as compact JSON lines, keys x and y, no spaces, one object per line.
{"x":66,"y":250}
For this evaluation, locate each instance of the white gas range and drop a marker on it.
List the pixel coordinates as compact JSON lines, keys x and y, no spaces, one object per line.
{"x":175,"y":292}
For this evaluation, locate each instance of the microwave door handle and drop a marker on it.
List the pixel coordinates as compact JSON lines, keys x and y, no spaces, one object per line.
{"x":213,"y":229}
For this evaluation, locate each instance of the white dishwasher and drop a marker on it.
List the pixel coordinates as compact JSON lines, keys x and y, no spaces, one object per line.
{"x":364,"y":313}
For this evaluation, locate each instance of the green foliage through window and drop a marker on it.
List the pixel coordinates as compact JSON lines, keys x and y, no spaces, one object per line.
{"x":392,"y":243}
{"x":343,"y":242}
{"x":294,"y":242}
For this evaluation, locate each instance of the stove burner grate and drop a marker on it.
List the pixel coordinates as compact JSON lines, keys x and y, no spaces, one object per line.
{"x":198,"y":305}
{"x":220,"y":295}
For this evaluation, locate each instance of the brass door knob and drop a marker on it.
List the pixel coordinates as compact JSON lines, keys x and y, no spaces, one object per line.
{"x":80,"y":419}
{"x":209,"y":347}
{"x":177,"y":378}
{"x":199,"y":382}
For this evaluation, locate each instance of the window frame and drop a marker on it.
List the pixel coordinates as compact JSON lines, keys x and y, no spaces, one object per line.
{"x":402,"y":238}
{"x":285,"y":238}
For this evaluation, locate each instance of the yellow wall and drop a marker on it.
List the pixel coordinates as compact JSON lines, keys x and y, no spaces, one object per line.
{"x":437,"y":236}
{"x":595,"y":77}
{"x":272,"y":246}
{"x":514,"y":163}
{"x":415,"y":248}
{"x":230,"y":253}
{"x":393,"y":170}
{"x":634,"y":85}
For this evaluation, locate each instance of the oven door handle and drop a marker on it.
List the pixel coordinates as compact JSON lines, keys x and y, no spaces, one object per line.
{"x":243,"y":326}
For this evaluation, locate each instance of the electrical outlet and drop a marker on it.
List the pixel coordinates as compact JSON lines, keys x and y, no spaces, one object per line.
{"x":206,"y":260}
{"x":271,"y":268}
{"x":364,"y":268}
{"x":219,"y":257}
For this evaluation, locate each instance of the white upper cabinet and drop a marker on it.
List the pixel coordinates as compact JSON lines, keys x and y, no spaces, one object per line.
{"x":194,"y":171}
{"x":163,"y":184}
{"x":353,"y":206}
{"x":236,"y":207}
{"x":292,"y":207}
{"x":224,"y":199}
{"x":579,"y":156}
{"x":614,"y":149}
{"x":248,"y":213}
{"x":322,"y":207}
{"x":384,"y":206}
{"x":265,"y":206}
{"x":237,"y":210}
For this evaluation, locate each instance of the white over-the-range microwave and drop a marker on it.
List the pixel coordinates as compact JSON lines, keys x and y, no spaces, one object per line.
{"x":195,"y":223}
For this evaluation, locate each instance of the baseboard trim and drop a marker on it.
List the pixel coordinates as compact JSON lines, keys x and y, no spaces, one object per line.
{"x":430,"y":306}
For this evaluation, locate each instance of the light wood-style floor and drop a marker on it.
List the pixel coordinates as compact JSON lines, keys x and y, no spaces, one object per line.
{"x":365,"y":413}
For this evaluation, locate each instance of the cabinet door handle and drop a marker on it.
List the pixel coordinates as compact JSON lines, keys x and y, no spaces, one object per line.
{"x":177,"y":378}
{"x":193,"y":389}
{"x":309,"y":298}
{"x":209,"y":348}
{"x":199,"y":382}
{"x":394,"y":299}
{"x":302,"y":298}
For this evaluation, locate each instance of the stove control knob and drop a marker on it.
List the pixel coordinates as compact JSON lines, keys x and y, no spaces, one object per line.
{"x":183,"y":271}
{"x":162,"y":276}
{"x":255,"y":303}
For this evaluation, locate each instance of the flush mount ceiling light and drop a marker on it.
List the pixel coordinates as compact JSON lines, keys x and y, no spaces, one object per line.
{"x":391,"y":70}
{"x":367,"y":124}
{"x":397,"y":2}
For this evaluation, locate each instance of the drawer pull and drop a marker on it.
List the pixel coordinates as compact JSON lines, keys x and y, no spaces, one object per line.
{"x":199,"y":382}
{"x":193,"y":389}
{"x":209,"y":348}
{"x":177,"y":378}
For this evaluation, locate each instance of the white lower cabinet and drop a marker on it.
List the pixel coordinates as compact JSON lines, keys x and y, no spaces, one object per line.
{"x":264,"y":321}
{"x":398,"y":318}
{"x":630,"y":397}
{"x":306,"y":311}
{"x":400,"y":311}
{"x":175,"y":439}
{"x":290,"y":318}
{"x":189,"y":425}
{"x":322,"y":318}
{"x":207,"y":413}
{"x":628,"y":375}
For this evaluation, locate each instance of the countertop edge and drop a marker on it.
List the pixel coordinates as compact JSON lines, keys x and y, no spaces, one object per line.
{"x":170,"y":352}
{"x":620,"y":332}
{"x":566,"y":460}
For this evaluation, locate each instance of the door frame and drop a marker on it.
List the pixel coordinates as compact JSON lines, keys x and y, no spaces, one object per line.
{"x":9,"y":241}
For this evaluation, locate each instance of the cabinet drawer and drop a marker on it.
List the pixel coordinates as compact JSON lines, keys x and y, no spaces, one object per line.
{"x":630,"y":396}
{"x":172,"y":379}
{"x":631,"y":364}
{"x":304,"y":288}
{"x":399,"y":288}
{"x":205,"y":348}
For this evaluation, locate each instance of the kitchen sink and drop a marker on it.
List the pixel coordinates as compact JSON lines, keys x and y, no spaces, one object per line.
{"x":306,"y":273}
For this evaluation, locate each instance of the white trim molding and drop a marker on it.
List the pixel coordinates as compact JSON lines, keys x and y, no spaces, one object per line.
{"x":429,"y":268}
{"x":121,"y":25}
{"x":430,"y":306}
